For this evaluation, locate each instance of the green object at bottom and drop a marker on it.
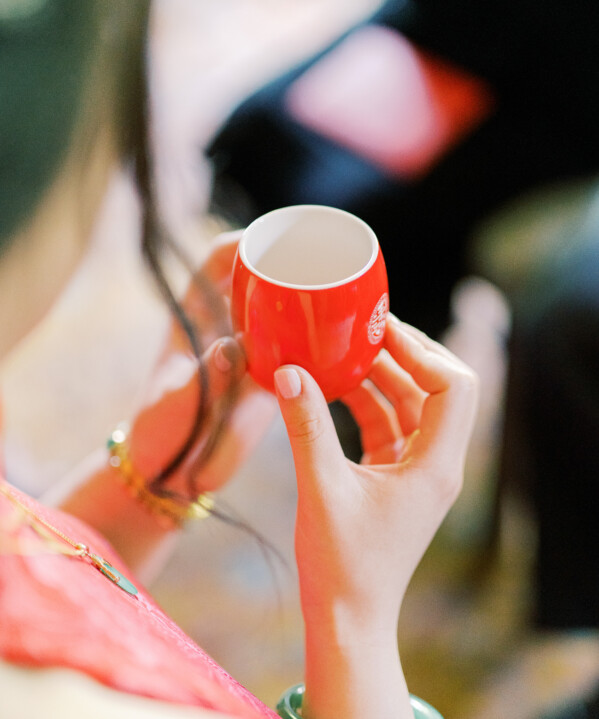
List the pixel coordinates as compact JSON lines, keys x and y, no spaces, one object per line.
{"x":290,"y":705}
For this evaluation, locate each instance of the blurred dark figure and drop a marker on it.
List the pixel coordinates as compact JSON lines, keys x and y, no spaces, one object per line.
{"x":551,"y":438}
{"x":501,"y":98}
{"x":551,"y":442}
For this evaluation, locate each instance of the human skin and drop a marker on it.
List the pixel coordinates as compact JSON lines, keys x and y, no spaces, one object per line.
{"x":96,"y":495}
{"x":362,"y":529}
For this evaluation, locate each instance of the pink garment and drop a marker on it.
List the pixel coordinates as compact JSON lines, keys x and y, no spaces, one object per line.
{"x":60,"y":611}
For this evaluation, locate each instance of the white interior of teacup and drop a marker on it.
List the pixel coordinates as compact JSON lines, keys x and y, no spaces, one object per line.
{"x":309,"y":246}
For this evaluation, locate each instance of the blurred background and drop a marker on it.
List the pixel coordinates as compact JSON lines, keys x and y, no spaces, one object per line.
{"x":467,"y":642}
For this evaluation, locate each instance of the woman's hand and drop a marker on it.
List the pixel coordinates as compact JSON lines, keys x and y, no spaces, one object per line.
{"x":165,"y":421}
{"x":362,"y":529}
{"x":173,"y":394}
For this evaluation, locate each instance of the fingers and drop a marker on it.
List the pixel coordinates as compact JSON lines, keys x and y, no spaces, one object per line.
{"x":175,"y":380}
{"x":314,"y":442}
{"x":219,"y":264}
{"x":225,"y":363}
{"x":206,"y":299}
{"x":426,"y":361}
{"x":452,"y":391}
{"x":243,"y":425}
{"x":401,"y":390}
{"x":375,"y":416}
{"x":171,"y":401}
{"x":415,"y":384}
{"x":215,"y":272}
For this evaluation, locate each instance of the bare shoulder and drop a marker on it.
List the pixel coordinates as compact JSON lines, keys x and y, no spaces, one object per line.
{"x":31,"y":693}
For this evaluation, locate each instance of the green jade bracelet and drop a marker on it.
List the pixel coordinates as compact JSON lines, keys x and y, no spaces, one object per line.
{"x":290,"y":705}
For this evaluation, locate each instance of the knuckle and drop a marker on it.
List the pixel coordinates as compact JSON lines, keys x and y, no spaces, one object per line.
{"x":472,"y":381}
{"x":465,"y":384}
{"x":466,"y":378}
{"x":448,"y":484}
{"x":307,"y":431}
{"x":449,"y":488}
{"x":452,"y":486}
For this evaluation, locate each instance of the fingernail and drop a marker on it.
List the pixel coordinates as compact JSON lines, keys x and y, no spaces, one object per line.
{"x":224,"y":356}
{"x":288,"y":383}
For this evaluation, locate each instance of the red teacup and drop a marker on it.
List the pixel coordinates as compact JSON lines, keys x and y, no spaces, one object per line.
{"x":310,"y":288}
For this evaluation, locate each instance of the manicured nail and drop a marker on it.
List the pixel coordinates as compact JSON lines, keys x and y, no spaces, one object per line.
{"x":224,"y":356}
{"x":288,"y":383}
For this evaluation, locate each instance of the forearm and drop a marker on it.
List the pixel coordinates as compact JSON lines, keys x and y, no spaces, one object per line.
{"x":95,"y":494}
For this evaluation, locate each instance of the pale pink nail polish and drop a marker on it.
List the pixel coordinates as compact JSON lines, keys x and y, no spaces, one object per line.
{"x":221,"y":360}
{"x":288,"y":383}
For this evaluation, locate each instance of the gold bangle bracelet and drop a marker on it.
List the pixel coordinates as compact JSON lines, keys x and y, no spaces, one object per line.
{"x":169,"y":511}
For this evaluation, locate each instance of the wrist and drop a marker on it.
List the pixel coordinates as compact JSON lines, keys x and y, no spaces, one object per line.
{"x":341,"y":621}
{"x":290,"y":705}
{"x":353,"y":670}
{"x":168,"y":509}
{"x":163,"y":426}
{"x":350,"y":649}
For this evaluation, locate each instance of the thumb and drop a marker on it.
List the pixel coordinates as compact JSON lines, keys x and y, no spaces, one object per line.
{"x":314,"y":443}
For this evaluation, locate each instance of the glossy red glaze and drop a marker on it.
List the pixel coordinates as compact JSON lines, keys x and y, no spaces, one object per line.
{"x":334,"y":332}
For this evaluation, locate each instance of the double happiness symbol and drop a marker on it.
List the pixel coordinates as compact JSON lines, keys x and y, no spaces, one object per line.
{"x":376,"y":324}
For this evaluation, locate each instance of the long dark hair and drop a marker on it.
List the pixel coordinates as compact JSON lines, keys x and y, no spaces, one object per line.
{"x":157,"y":243}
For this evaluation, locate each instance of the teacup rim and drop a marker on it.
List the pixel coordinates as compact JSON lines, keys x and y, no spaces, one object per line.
{"x":312,"y":287}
